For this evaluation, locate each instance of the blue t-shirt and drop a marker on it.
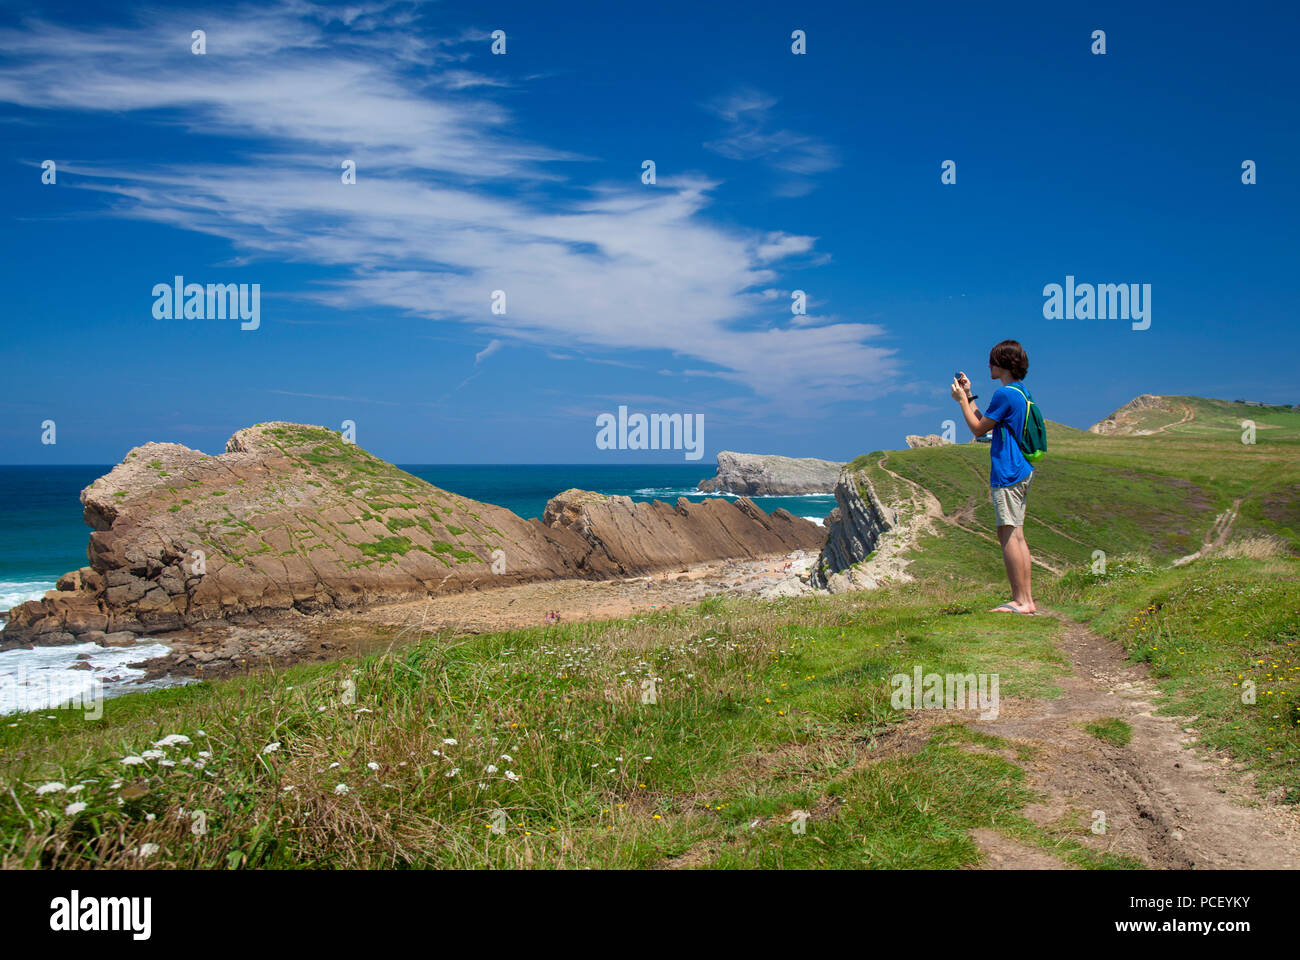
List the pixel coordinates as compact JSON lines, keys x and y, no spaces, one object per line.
{"x":1008,"y":465}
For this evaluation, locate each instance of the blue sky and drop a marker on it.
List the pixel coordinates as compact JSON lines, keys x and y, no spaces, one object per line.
{"x":521,"y":172}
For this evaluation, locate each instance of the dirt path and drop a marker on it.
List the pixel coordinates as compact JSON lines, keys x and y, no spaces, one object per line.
{"x":1188,"y":415}
{"x":1217,"y":535}
{"x":1163,"y":804}
{"x":929,"y":504}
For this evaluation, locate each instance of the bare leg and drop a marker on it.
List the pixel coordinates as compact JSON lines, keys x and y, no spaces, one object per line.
{"x":1016,"y":558}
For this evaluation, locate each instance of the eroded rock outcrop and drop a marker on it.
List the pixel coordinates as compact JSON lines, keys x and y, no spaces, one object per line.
{"x":639,"y":537}
{"x":768,"y":475}
{"x":1128,"y":420}
{"x":292,"y":520}
{"x":855,"y":529}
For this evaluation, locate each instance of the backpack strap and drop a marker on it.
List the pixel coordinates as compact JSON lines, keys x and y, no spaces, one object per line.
{"x":1028,"y":404}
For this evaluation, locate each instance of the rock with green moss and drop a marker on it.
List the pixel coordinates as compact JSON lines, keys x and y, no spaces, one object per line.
{"x":291,"y":520}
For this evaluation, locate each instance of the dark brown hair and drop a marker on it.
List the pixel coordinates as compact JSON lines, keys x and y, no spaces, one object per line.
{"x":1010,"y":355}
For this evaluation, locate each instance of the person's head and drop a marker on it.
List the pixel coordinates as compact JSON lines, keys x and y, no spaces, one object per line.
{"x":1008,"y":357}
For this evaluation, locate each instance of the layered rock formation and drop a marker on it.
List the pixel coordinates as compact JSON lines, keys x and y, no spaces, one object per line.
{"x":929,"y":440}
{"x":767,"y":475}
{"x":292,"y":520}
{"x":855,"y":529}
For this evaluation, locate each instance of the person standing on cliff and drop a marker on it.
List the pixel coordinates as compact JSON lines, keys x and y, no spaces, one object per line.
{"x":1009,"y":472}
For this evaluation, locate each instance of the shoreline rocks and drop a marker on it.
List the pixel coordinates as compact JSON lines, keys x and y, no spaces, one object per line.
{"x":292,"y":521}
{"x":768,"y":475}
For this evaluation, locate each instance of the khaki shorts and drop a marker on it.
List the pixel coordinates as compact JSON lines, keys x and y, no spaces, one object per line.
{"x":1009,"y":503}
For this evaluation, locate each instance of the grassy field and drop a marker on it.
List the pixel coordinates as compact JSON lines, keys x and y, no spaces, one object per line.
{"x":733,"y":734}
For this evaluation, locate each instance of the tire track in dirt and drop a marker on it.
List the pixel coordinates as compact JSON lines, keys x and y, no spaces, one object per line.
{"x":1163,"y":804}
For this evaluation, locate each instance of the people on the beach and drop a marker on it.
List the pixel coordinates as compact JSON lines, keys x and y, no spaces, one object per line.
{"x":1009,"y":472}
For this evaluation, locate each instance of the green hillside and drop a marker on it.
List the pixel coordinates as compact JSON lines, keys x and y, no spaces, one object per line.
{"x":1157,"y":495}
{"x":771,"y":740}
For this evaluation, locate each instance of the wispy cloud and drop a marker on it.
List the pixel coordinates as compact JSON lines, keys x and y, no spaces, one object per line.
{"x":752,"y":134}
{"x":436,"y":220}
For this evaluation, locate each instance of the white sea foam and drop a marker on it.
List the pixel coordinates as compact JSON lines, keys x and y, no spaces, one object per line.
{"x":42,"y":678}
{"x":689,"y":492}
{"x":14,"y":592}
{"x":818,"y":520}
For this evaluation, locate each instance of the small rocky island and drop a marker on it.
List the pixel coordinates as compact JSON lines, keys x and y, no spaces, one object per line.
{"x":768,"y":475}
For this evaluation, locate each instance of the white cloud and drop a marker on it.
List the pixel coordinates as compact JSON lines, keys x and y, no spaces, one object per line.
{"x":433,"y":225}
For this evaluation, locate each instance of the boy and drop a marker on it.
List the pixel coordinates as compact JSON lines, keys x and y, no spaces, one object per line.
{"x":1009,"y":472}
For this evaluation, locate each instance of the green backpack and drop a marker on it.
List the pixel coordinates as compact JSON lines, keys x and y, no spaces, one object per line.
{"x":1033,"y":439}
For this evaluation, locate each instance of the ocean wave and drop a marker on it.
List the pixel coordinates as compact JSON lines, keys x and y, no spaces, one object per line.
{"x":14,"y":592}
{"x":688,"y":492}
{"x":42,"y":678}
{"x":820,"y":521}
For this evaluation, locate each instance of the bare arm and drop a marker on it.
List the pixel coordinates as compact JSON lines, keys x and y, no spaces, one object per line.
{"x":979,"y":425}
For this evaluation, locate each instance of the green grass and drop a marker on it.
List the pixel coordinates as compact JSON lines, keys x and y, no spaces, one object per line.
{"x":1111,"y":729}
{"x":760,"y":709}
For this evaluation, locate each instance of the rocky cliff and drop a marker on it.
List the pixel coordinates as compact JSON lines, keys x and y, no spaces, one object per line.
{"x":767,"y":475}
{"x":855,"y":529}
{"x":291,"y":520}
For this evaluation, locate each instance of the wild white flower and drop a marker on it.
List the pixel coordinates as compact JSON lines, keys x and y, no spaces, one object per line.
{"x":511,"y":775}
{"x":150,"y":817}
{"x":507,"y":758}
{"x":186,"y":761}
{"x":287,"y":789}
{"x":115,"y":784}
{"x":271,"y":747}
{"x":452,"y":772}
{"x":77,"y":789}
{"x":320,"y":709}
{"x":153,"y":754}
{"x":200,"y":764}
{"x":205,"y":754}
{"x":131,"y":761}
{"x":334,"y":765}
{"x":449,"y":741}
{"x":490,"y":768}
{"x":372,"y":765}
{"x":171,"y":740}
{"x":147,"y":849}
{"x":54,"y":786}
{"x":166,"y":763}
{"x":437,"y":753}
{"x":201,"y":733}
{"x":73,"y":809}
{"x":363,"y":710}
{"x":341,"y":789}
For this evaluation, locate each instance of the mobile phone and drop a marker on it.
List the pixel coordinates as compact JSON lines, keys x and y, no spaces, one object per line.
{"x":957,"y":376}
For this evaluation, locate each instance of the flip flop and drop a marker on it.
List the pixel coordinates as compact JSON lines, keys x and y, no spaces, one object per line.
{"x":1008,"y":608}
